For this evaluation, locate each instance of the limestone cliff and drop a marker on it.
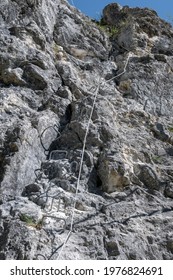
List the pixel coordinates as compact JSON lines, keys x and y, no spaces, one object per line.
{"x":86,"y":133}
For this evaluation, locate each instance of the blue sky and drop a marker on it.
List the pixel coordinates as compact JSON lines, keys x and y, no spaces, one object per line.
{"x":93,"y":8}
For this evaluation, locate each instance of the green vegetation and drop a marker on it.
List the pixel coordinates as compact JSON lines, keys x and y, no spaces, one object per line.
{"x":110,"y":30}
{"x":113,"y":31}
{"x":26,"y":219}
{"x":170,"y":128}
{"x":156,"y":159}
{"x":30,"y":221}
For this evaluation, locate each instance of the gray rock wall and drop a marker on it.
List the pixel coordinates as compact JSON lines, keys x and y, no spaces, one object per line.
{"x":83,"y":151}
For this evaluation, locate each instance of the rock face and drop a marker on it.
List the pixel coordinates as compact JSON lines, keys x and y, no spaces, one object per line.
{"x":86,"y":133}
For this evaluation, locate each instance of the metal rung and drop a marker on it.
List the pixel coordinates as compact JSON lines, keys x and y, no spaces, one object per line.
{"x":58,"y":154}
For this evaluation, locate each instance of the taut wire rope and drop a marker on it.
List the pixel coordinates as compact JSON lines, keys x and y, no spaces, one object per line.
{"x":80,"y":169}
{"x":82,"y":156}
